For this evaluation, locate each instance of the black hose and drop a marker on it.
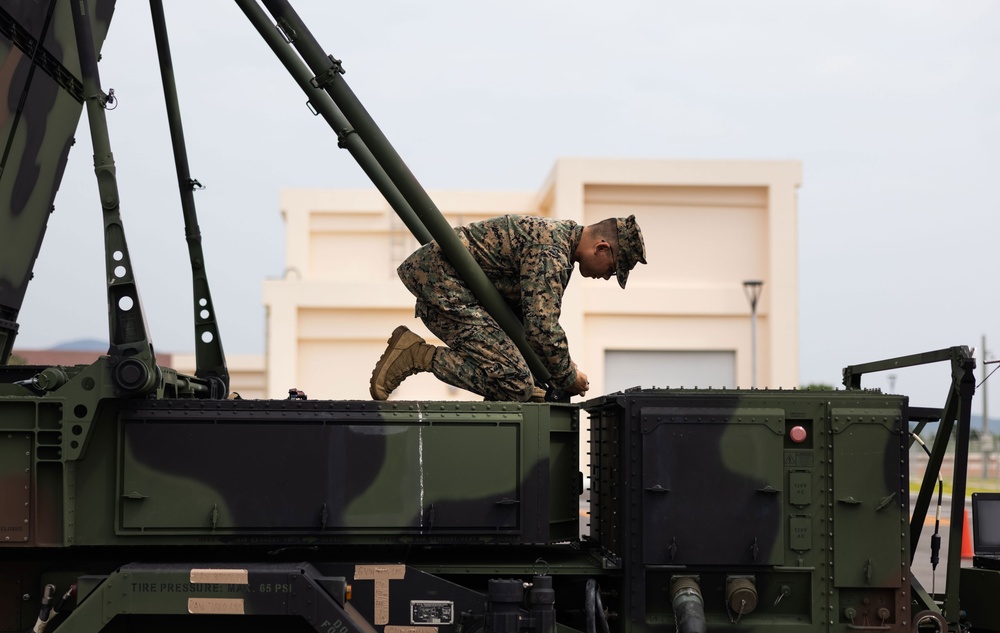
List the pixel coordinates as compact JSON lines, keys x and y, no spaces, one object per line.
{"x":590,"y":599}
{"x":689,"y":609}
{"x":601,"y":615}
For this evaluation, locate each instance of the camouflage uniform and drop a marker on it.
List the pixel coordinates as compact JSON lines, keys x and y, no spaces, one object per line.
{"x":530,"y":260}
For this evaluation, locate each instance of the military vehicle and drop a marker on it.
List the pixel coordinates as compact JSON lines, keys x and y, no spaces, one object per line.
{"x":136,"y":498}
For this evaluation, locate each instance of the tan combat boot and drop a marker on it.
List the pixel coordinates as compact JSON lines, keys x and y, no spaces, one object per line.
{"x":405,"y":355}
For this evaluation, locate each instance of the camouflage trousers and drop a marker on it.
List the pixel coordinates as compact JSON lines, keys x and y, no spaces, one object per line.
{"x":479,"y":356}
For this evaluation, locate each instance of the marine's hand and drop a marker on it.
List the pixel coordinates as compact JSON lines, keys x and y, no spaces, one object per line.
{"x":581,"y":385}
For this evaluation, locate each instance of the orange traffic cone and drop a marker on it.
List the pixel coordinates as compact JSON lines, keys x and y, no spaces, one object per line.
{"x":966,"y":537}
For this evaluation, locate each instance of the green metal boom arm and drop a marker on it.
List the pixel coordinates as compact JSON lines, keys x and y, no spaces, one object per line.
{"x":356,"y":128}
{"x":210,"y":363}
{"x":135,"y":371}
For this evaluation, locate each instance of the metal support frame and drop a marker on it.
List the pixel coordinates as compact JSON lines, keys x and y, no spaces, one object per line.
{"x":131,"y":353}
{"x":957,"y":410}
{"x":210,"y":360}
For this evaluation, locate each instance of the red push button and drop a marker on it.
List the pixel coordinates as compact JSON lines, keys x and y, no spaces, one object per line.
{"x":798,"y":434}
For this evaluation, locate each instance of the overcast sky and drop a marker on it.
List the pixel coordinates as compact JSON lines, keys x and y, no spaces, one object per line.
{"x":893,"y":108}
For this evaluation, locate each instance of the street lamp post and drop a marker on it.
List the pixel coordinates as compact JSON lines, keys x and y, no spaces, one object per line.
{"x":752,"y":288}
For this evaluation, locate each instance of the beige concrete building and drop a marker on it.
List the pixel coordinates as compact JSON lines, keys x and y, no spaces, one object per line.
{"x":683,"y":321}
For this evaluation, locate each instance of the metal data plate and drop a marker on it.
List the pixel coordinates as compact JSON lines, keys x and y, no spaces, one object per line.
{"x":432,"y":612}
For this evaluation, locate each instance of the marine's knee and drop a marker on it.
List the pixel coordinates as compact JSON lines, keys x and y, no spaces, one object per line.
{"x":516,"y":390}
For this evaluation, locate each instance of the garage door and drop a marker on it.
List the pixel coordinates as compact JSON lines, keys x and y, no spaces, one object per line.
{"x":624,"y":369}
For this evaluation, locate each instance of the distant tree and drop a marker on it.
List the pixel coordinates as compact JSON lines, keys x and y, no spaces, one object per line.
{"x":16,"y":360}
{"x":818,"y":386}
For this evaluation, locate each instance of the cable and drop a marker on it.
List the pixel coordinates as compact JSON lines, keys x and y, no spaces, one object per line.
{"x":936,"y":537}
{"x":987,"y":377}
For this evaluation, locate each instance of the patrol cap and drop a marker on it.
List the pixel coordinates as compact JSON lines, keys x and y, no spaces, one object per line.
{"x":631,"y":249}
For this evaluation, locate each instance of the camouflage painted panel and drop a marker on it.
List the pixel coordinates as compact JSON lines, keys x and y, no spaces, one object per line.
{"x":39,"y":110}
{"x":337,"y":471}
